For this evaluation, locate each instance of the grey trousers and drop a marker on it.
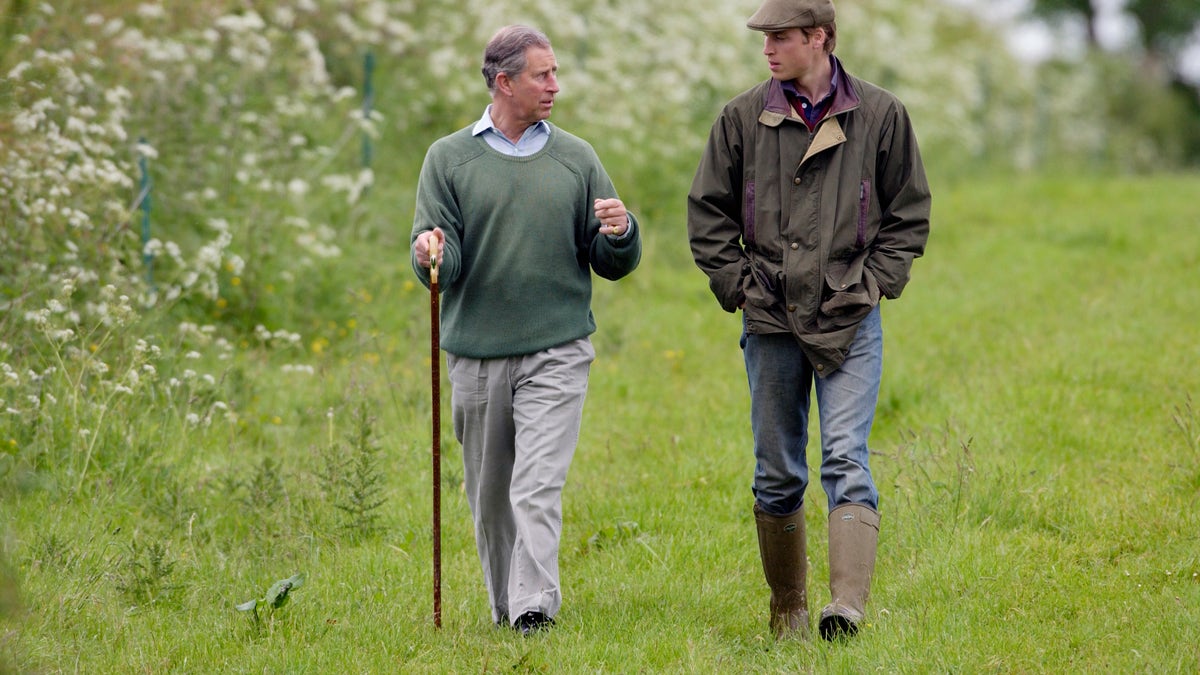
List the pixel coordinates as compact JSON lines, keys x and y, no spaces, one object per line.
{"x":518,"y":421}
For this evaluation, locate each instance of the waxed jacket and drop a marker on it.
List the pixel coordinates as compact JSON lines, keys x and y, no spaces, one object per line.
{"x":807,"y":230}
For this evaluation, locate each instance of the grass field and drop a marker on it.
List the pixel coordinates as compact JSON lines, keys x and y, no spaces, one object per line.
{"x":1037,"y":450}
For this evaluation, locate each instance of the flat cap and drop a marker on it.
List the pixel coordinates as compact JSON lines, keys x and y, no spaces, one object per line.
{"x":783,"y":14}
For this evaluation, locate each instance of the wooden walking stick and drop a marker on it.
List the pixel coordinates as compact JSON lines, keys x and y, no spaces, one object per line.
{"x":436,"y":357}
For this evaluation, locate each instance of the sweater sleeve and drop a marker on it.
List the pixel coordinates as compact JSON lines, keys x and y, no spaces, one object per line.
{"x":609,"y":257}
{"x":615,"y":257}
{"x":436,"y":206}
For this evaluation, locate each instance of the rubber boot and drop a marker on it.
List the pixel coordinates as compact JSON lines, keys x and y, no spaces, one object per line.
{"x":853,"y":534}
{"x":781,"y":546}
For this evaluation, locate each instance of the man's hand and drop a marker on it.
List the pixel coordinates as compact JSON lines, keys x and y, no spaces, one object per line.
{"x":613,"y":218}
{"x":422,"y":245}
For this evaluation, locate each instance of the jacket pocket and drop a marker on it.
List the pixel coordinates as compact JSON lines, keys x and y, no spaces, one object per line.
{"x":850,"y":293}
{"x":763,"y":285}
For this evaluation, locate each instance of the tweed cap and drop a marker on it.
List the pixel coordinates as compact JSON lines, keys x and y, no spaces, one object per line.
{"x":783,"y":14}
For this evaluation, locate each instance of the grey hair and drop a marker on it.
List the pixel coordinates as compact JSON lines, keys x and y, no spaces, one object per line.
{"x":505,"y":52}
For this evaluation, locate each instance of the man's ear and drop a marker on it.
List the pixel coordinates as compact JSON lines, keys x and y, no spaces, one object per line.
{"x":504,"y":84}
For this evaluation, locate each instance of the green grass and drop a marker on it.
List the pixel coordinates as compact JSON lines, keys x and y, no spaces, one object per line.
{"x":1036,"y":450}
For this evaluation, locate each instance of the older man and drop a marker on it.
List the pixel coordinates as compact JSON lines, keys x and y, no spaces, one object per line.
{"x":519,"y":213}
{"x":808,"y":207}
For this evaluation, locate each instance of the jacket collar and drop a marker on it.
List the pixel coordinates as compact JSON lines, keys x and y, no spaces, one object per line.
{"x":776,"y":107}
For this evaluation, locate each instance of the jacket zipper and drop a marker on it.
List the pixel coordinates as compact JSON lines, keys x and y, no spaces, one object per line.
{"x":864,"y":205}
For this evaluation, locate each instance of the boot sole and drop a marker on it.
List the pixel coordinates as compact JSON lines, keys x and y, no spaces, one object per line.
{"x":837,"y":627}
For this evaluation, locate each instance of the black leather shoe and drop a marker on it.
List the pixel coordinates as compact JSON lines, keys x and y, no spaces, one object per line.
{"x":531,"y":622}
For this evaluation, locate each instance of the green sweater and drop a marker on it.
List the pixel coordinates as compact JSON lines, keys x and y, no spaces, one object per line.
{"x":521,"y":241}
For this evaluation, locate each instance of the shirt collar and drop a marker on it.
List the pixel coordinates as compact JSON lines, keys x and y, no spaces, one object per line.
{"x":485,"y":123}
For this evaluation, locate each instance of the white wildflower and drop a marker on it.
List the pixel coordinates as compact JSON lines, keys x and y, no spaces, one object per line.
{"x":284,"y":16}
{"x":19,"y":70}
{"x":38,"y":318}
{"x":146,"y":150}
{"x":297,"y":187}
{"x":151,"y":11}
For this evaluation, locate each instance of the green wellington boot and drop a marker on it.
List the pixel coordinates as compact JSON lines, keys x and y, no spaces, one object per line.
{"x":781,"y":545}
{"x":853,"y":534}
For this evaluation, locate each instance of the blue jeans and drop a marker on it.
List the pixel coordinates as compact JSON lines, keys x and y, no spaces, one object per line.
{"x":781,"y":382}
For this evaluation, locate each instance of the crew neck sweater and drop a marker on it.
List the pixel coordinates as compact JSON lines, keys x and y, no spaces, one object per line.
{"x":522,"y":240}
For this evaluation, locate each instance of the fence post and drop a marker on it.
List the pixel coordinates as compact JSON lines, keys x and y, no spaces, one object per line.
{"x":368,"y":102}
{"x":144,"y":202}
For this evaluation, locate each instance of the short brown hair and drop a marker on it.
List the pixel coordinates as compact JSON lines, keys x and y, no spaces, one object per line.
{"x":830,"y":34}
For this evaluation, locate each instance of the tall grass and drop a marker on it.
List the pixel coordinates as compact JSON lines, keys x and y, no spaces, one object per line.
{"x":177,"y":437}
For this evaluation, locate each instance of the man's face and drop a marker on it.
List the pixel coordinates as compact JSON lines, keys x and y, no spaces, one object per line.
{"x":791,"y":54}
{"x":534,"y":89}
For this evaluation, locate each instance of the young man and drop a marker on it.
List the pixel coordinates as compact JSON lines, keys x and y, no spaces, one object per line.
{"x":808,"y":207}
{"x":519,"y":213}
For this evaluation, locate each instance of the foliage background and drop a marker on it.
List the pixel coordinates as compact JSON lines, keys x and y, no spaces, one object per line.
{"x":214,"y":358}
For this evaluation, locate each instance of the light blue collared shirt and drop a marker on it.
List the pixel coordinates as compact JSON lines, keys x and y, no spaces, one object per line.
{"x":533,"y":140}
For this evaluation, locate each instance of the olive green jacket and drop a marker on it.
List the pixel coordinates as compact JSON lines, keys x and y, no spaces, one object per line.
{"x":806,"y":231}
